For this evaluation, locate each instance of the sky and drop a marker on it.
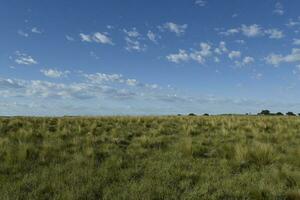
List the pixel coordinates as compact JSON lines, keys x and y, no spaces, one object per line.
{"x":143,"y":57}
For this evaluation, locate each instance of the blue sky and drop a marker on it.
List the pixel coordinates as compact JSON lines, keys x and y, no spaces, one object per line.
{"x":113,"y":57}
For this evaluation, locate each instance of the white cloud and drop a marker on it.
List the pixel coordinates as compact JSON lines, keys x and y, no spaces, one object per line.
{"x":134,"y":45}
{"x":133,"y":40}
{"x":258,"y":76}
{"x":96,"y":37}
{"x":240,"y":41}
{"x":24,"y":59}
{"x":36,"y":30}
{"x":277,"y":59}
{"x":179,"y":57}
{"x":293,"y":23}
{"x":54,"y":73}
{"x":273,"y":59}
{"x":234,"y":15}
{"x":152,"y":36}
{"x":253,"y":30}
{"x":296,"y":71}
{"x":278,"y":9}
{"x":22,"y":33}
{"x":102,"y":78}
{"x":197,"y":56}
{"x":175,"y":28}
{"x":274,"y":33}
{"x":69,"y":38}
{"x":132,"y":82}
{"x":200,"y":3}
{"x":205,"y":52}
{"x":234,"y":54}
{"x":222,"y":48}
{"x":132,"y":33}
{"x":296,"y":42}
{"x":248,"y":60}
{"x":85,"y":37}
{"x":205,"y":49}
{"x":94,"y":55}
{"x":231,"y":31}
{"x":102,"y":38}
{"x":217,"y":60}
{"x":109,"y":27}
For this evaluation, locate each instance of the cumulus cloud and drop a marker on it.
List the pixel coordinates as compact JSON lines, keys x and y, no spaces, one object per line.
{"x":175,"y":28}
{"x":134,"y":45}
{"x":206,"y":51}
{"x":54,"y":73}
{"x":231,"y":31}
{"x":102,"y":78}
{"x":152,"y":36}
{"x":292,"y":23}
{"x":278,"y":9}
{"x":97,"y":37}
{"x":248,"y":60}
{"x":253,"y":30}
{"x":240,"y":41}
{"x":102,"y":38}
{"x":245,"y":61}
{"x":98,"y":85}
{"x":277,"y":59}
{"x":24,"y":59}
{"x":36,"y":30}
{"x":22,"y":33}
{"x":296,"y":71}
{"x":200,"y":3}
{"x":182,"y":55}
{"x":274,"y":33}
{"x":133,"y":40}
{"x":222,"y":48}
{"x":85,"y":37}
{"x":69,"y":38}
{"x":132,"y":33}
{"x":296,"y":41}
{"x":234,"y":54}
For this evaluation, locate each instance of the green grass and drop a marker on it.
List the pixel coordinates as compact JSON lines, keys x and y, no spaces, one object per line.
{"x":229,"y":157}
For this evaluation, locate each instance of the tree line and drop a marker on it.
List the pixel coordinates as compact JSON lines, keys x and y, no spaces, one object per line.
{"x":263,"y":112}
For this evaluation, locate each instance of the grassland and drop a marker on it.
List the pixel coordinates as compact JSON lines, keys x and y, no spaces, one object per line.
{"x":230,"y":157}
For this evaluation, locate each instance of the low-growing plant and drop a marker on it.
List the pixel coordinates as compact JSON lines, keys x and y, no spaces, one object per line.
{"x":173,"y":157}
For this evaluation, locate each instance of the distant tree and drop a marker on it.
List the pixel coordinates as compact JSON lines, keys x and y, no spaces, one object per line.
{"x":205,"y":114}
{"x":290,"y":114}
{"x":192,"y":114}
{"x":265,"y":112}
{"x":279,"y":113}
{"x":298,"y":114}
{"x":178,"y":114}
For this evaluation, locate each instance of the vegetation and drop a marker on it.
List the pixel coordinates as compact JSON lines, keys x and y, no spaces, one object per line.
{"x":178,"y":157}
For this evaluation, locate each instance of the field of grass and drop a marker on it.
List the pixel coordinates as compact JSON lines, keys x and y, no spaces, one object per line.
{"x":179,"y":157}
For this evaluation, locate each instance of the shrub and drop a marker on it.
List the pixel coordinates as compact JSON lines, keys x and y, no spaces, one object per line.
{"x":265,"y":112}
{"x":290,"y":114}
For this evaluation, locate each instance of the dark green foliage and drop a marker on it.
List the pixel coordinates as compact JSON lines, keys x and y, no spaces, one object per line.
{"x":180,"y":157}
{"x":290,"y":114}
{"x":265,"y":112}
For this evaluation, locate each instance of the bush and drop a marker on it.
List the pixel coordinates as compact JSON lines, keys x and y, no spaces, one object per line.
{"x":290,"y":114}
{"x":265,"y":112}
